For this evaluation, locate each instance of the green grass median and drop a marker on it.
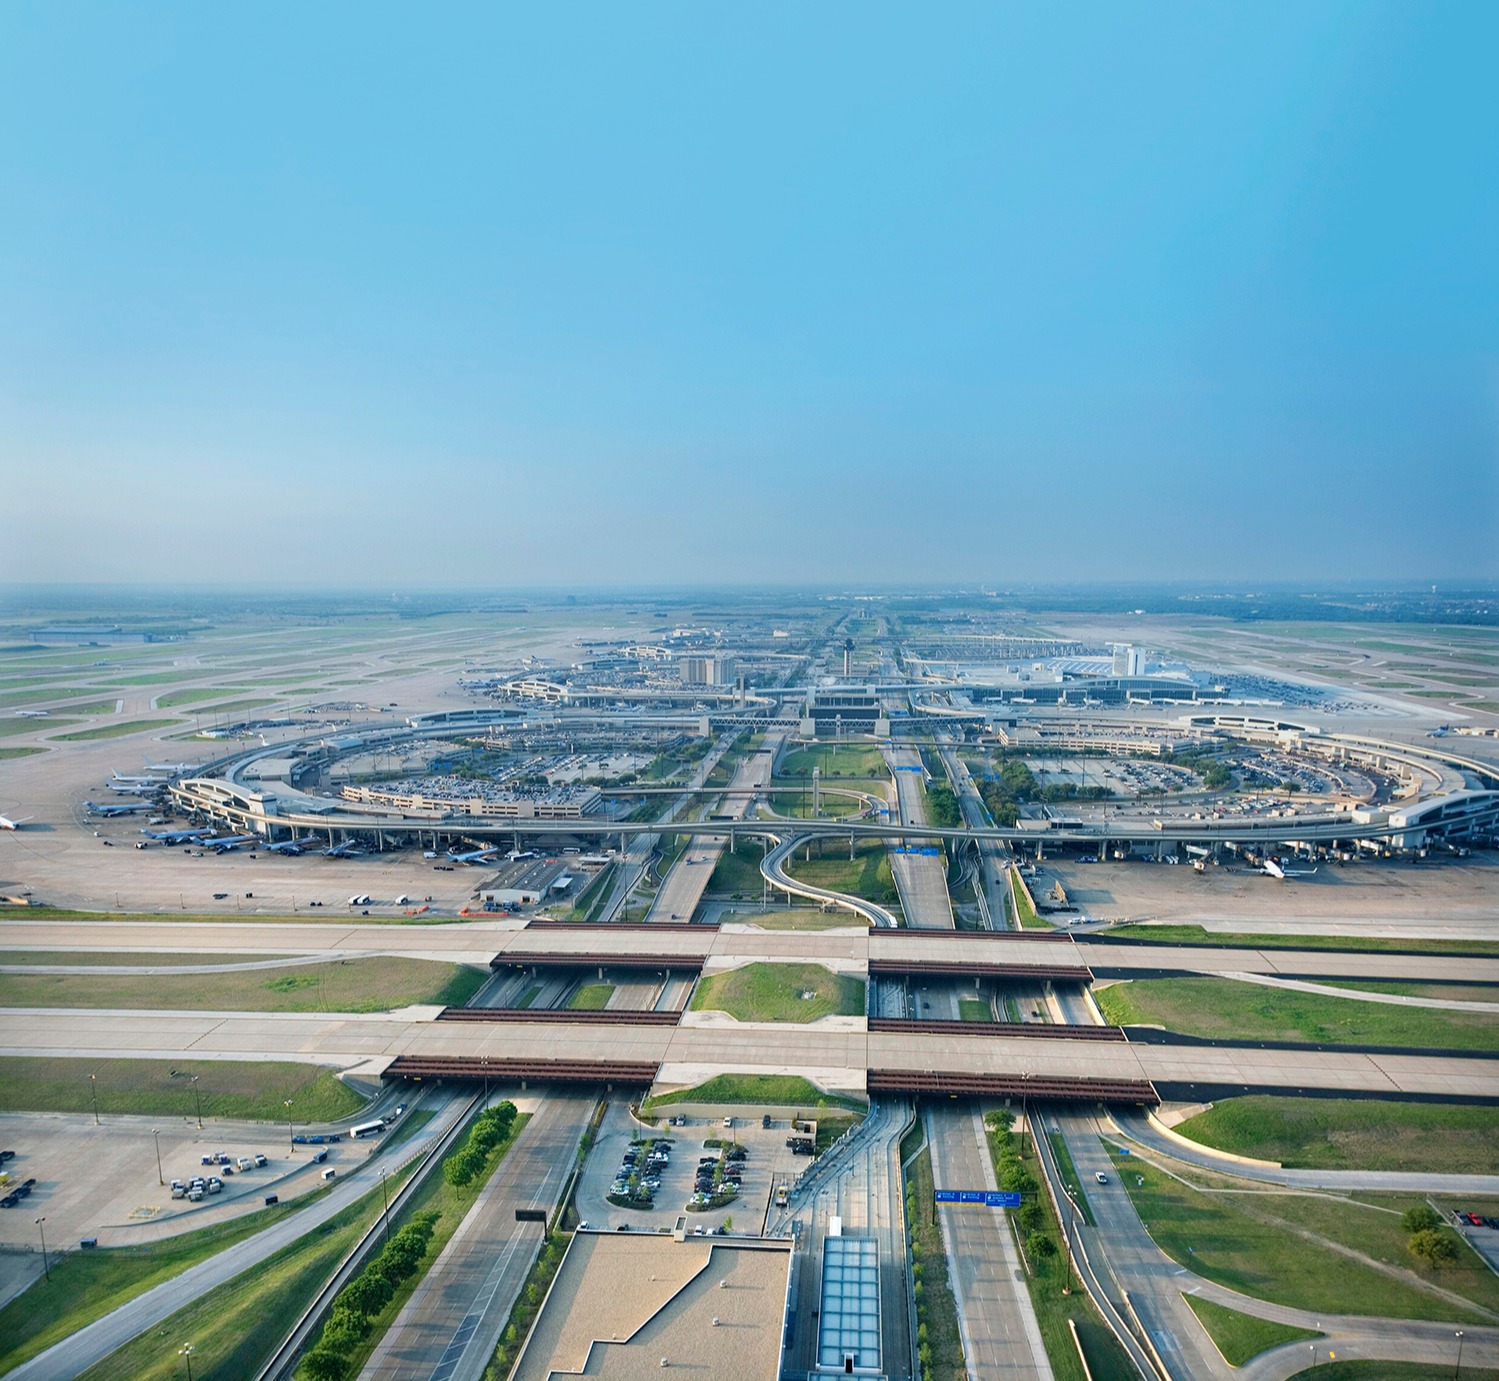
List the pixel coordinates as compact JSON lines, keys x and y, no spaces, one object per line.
{"x":1352,"y":1133}
{"x":1242,"y":1336}
{"x":1227,"y":1009}
{"x":781,"y":992}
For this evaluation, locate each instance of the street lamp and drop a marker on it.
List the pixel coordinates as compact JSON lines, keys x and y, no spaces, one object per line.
{"x":197,"y":1100}
{"x":186,"y":1352}
{"x":1459,"y":1365}
{"x":46,"y":1265}
{"x":156,"y":1134}
{"x":93,"y":1092}
{"x":286,"y":1103}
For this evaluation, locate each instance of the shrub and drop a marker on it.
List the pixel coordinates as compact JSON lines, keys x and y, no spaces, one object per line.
{"x":1433,"y":1247}
{"x":1422,"y":1218}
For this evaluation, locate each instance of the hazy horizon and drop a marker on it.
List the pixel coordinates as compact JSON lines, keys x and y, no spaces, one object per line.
{"x":1021,"y":297}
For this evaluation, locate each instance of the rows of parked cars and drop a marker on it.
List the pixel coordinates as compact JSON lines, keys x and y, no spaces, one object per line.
{"x":1464,"y":1219}
{"x":13,"y":1192}
{"x":639,"y":1175}
{"x":718,"y":1178}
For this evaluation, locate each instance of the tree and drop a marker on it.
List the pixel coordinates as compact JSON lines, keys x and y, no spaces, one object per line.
{"x":1421,"y":1218}
{"x":1433,"y":1247}
{"x":1039,"y":1247}
{"x":322,"y":1365}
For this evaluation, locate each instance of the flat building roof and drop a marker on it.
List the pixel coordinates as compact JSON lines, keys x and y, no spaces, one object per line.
{"x":625,"y":1304}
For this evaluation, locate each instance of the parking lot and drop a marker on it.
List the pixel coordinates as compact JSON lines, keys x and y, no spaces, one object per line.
{"x":101,"y":1181}
{"x":767,"y":1163}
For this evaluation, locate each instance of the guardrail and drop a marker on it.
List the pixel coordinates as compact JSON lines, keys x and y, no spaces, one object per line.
{"x":284,"y":1359}
{"x":931,"y":1026}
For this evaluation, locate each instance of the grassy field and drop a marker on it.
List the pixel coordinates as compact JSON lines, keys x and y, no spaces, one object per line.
{"x":836,"y":760}
{"x":799,"y":918}
{"x":866,"y":875}
{"x":737,"y":874}
{"x":87,"y":1285}
{"x":1197,"y":935}
{"x":781,"y":992}
{"x":1352,"y":1134}
{"x":11,"y":727}
{"x":1224,"y":1008}
{"x":591,"y":997}
{"x":1298,"y":1249}
{"x":974,"y":1009}
{"x":7,"y":753}
{"x":1242,"y":1336}
{"x":189,"y":697}
{"x":376,"y":984}
{"x":786,"y":1090}
{"x":234,"y":1329}
{"x":128,"y":726}
{"x":250,"y":1091}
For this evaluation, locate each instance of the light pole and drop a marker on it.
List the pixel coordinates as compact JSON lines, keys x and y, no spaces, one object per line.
{"x":286,"y":1103}
{"x":197,"y":1101}
{"x":46,"y":1265}
{"x":1459,"y":1366}
{"x":186,"y":1352}
{"x":156,"y":1135}
{"x":93,"y":1093}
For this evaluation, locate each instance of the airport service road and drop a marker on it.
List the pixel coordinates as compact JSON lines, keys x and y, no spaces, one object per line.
{"x":993,"y":886}
{"x":1136,"y":1265}
{"x":682,"y":890}
{"x":1001,"y":1337}
{"x":638,"y":851}
{"x":921,"y":879}
{"x":478,"y":941}
{"x":450,"y":1326}
{"x":97,"y":1340}
{"x":834,"y":1052}
{"x":1135,"y":1127}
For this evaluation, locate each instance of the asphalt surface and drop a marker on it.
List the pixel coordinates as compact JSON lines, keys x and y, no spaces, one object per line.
{"x":1001,"y":1337}
{"x":448,"y":1329}
{"x":97,"y":1340}
{"x":921,"y":879}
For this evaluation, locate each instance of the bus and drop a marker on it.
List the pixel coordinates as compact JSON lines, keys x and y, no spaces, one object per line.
{"x":368,"y":1128}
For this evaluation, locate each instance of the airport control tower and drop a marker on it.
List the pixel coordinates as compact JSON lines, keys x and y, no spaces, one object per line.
{"x":848,"y":653}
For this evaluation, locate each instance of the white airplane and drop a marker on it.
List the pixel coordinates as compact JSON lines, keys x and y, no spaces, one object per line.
{"x":172,"y":769}
{"x":176,"y":836}
{"x":135,"y":781}
{"x":6,"y":823}
{"x":33,"y":714}
{"x":343,"y":851}
{"x":118,"y":809}
{"x":286,"y":846}
{"x":476,"y":856}
{"x":135,"y":788}
{"x":1270,"y":868}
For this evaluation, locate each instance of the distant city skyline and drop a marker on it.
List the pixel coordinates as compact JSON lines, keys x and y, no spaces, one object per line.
{"x":659,"y":297}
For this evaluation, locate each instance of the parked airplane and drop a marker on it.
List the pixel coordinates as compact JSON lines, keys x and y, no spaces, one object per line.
{"x":477,"y":856}
{"x":134,"y":788}
{"x":176,"y":836}
{"x":135,"y":781}
{"x":172,"y":769}
{"x":118,"y":809}
{"x":230,"y":842}
{"x":343,"y":851}
{"x":6,"y":823}
{"x":286,"y":846}
{"x":1270,"y":868}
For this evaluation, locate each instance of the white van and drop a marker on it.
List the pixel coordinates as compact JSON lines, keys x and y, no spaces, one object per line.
{"x":329,"y":1173}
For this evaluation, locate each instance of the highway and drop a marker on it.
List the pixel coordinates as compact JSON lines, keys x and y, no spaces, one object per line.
{"x":450,"y":1326}
{"x":920,"y":878}
{"x":682,"y":888}
{"x":95,"y":1341}
{"x":1001,"y":1337}
{"x":992,"y":881}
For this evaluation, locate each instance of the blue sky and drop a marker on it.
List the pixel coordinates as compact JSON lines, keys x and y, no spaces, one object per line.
{"x":594,"y":294}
